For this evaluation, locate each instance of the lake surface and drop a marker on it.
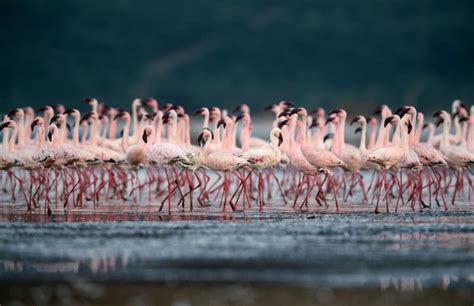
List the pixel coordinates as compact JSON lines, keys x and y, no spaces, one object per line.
{"x":210,"y":255}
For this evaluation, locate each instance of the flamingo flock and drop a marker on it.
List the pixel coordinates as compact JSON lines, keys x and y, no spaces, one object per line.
{"x":58,"y":155}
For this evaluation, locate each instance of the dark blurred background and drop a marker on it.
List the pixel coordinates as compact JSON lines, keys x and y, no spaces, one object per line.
{"x":330,"y":53}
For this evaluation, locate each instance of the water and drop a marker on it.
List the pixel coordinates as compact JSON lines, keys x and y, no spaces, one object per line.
{"x":117,"y":244}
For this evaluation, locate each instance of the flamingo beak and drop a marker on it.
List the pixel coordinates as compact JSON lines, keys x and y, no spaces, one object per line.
{"x":358,"y":130}
{"x":280,"y":139}
{"x":387,"y":121}
{"x":329,"y":119}
{"x":221,"y":122}
{"x":239,"y":117}
{"x":198,"y":112}
{"x":437,"y":114}
{"x":410,"y":127}
{"x":282,"y":123}
{"x":4,"y":125}
{"x":439,"y":121}
{"x":50,"y":136}
{"x":356,"y":119}
{"x":201,"y":140}
{"x":33,"y":124}
{"x":328,"y":136}
{"x":268,"y":108}
{"x":283,"y":114}
{"x":145,"y":137}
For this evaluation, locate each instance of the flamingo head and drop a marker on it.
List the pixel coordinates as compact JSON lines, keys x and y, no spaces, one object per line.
{"x":150,"y":102}
{"x":7,"y":124}
{"x":442,"y":116}
{"x":47,"y":110}
{"x":73,"y":112}
{"x":282,"y":123}
{"x":203,"y":111}
{"x":284,"y":105}
{"x":37,"y":121}
{"x":165,"y":108}
{"x":59,"y":108}
{"x":243,"y":108}
{"x":328,"y":136}
{"x":204,"y":136}
{"x":360,"y":119}
{"x":148,"y":132}
{"x":52,"y":129}
{"x":276,"y":134}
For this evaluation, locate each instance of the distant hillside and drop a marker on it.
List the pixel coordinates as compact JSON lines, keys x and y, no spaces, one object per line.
{"x":329,"y":53}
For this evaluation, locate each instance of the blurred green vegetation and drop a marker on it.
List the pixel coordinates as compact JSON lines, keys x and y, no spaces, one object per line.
{"x":328,"y":53}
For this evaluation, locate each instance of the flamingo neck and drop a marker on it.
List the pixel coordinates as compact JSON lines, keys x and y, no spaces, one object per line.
{"x":373,"y":130}
{"x":217,"y":133}
{"x":363,"y":136}
{"x":21,"y":129}
{"x":431,"y":134}
{"x":381,"y":136}
{"x":205,"y":124}
{"x":444,"y":139}
{"x":464,"y":134}
{"x":40,"y":138}
{"x":419,"y":130}
{"x":126,"y":131}
{"x":244,"y":136}
{"x":304,"y":129}
{"x":13,"y":137}
{"x":159,"y":129}
{"x":75,"y":133}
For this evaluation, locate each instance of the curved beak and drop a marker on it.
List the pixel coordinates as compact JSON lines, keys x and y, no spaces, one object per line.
{"x":145,"y":137}
{"x":50,"y":136}
{"x":358,"y":130}
{"x":280,"y":139}
{"x":409,"y":126}
{"x":239,"y":117}
{"x":282,"y":123}
{"x":439,"y":121}
{"x":328,"y":136}
{"x":356,"y":119}
{"x":221,"y":122}
{"x":387,"y":121}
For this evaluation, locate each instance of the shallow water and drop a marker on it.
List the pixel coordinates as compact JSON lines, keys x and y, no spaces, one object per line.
{"x":117,"y":243}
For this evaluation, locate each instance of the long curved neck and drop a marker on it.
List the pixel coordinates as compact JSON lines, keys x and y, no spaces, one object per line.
{"x":6,"y":139}
{"x":125,"y":135}
{"x":94,"y":132}
{"x":135,"y":119}
{"x":464,"y":134}
{"x":205,"y":124}
{"x":444,"y":139}
{"x":40,"y":138}
{"x":21,"y":129}
{"x":13,"y":139}
{"x":245,"y":136}
{"x":363,"y":136}
{"x":304,"y":128}
{"x":381,"y":136}
{"x":159,"y":129}
{"x":227,"y":141}
{"x":372,"y":135}
{"x":457,"y":127}
{"x":415,"y":124}
{"x":217,"y":133}
{"x":403,"y":136}
{"x":419,"y":130}
{"x":431,"y":134}
{"x":342,"y":138}
{"x":75,"y":132}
